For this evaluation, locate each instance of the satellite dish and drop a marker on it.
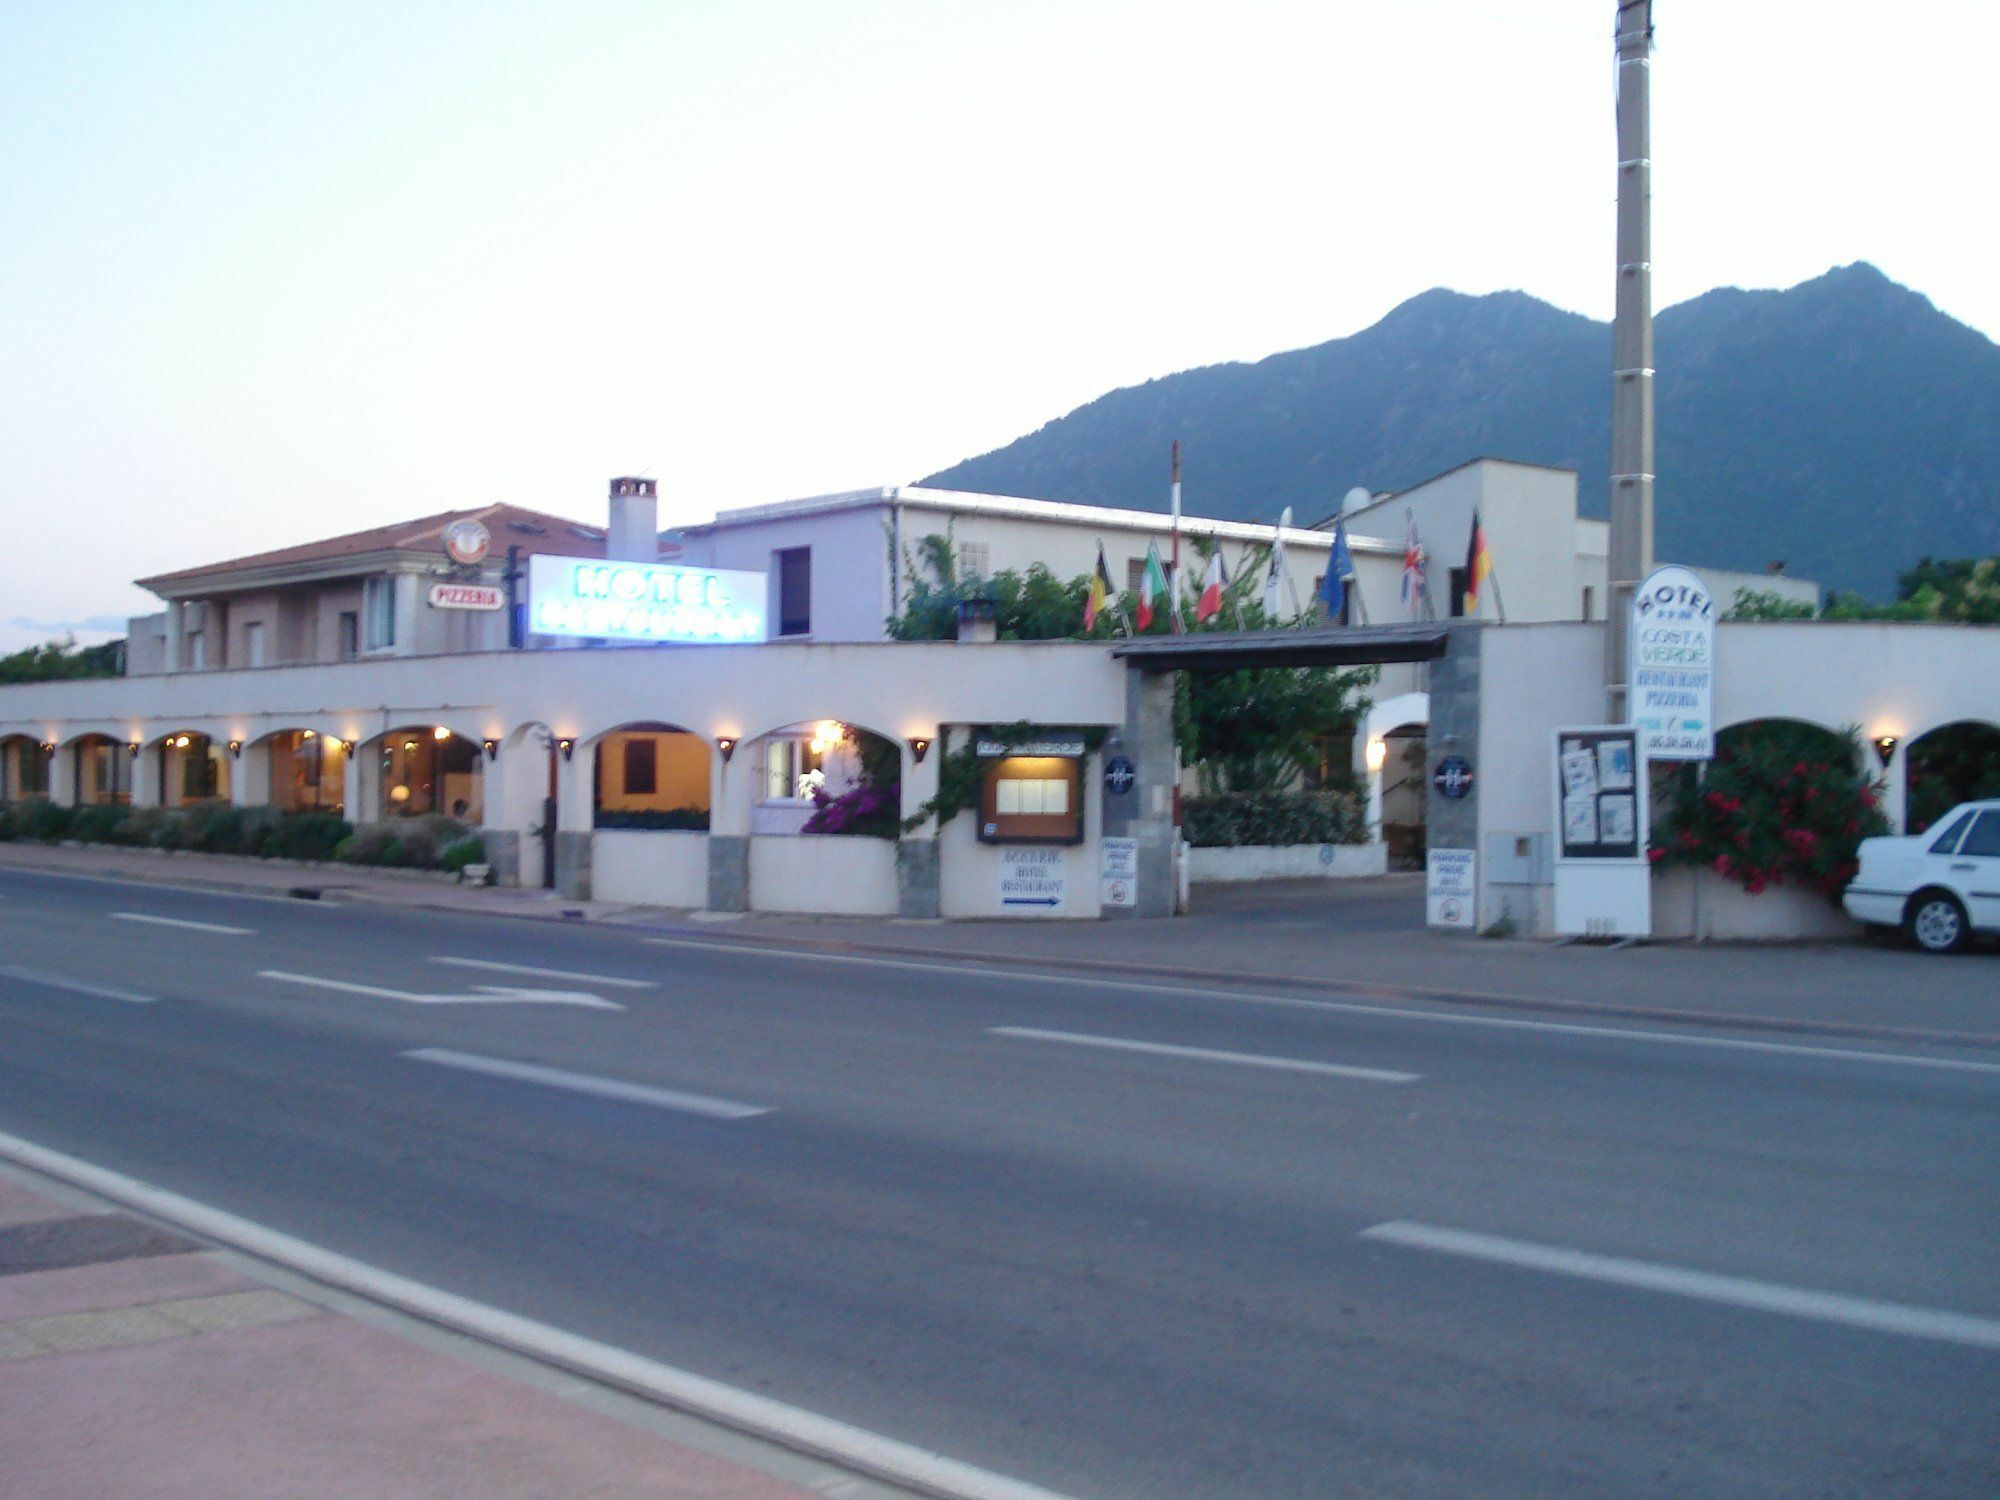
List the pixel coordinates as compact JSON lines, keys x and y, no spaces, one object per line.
{"x":1355,"y":498}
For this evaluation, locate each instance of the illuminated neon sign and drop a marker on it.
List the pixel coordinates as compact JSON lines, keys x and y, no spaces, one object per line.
{"x":643,"y":601}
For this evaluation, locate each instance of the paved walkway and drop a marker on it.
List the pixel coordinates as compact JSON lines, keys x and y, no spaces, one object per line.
{"x":135,"y":1363}
{"x":1361,"y":939}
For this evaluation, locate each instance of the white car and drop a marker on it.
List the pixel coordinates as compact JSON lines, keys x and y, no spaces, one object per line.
{"x":1940,"y":887}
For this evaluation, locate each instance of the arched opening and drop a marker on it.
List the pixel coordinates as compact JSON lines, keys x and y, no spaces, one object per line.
{"x":24,"y":769}
{"x":308,"y":771}
{"x":651,"y":776}
{"x":1948,"y":765}
{"x":101,"y":768}
{"x":825,"y":776}
{"x":425,"y":769}
{"x":192,"y":767}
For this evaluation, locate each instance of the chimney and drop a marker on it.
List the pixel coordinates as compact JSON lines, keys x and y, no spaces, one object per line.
{"x":635,"y":521}
{"x":976,"y":621}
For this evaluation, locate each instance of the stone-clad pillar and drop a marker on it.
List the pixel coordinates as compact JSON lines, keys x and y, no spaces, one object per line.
{"x":731,"y":789}
{"x":1146,"y":813}
{"x":1453,"y":822}
{"x":919,"y":875}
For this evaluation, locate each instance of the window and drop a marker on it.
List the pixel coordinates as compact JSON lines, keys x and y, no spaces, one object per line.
{"x":642,"y":766}
{"x":1135,"y":574}
{"x":1947,"y":841}
{"x":347,"y":642}
{"x":795,"y":591}
{"x":1457,"y":592}
{"x":253,"y":644}
{"x":975,"y":559}
{"x":1984,"y":839}
{"x":1588,"y":601}
{"x":378,"y":607}
{"x":793,"y":770}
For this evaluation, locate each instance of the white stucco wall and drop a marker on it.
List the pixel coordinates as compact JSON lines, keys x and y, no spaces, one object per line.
{"x":1882,"y":678}
{"x":1288,"y":862}
{"x":827,"y":874}
{"x":649,"y":867}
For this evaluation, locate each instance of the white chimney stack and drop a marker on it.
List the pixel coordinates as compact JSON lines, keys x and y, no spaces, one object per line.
{"x":635,"y":521}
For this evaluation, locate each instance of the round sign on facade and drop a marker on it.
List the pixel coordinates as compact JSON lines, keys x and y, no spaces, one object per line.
{"x":1120,"y":774}
{"x":467,"y":542}
{"x":1453,"y":777}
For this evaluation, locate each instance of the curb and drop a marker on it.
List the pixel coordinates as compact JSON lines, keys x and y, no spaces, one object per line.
{"x":804,"y":1432}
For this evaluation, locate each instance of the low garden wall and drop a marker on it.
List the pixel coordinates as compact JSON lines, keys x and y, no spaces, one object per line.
{"x":1287,"y":862}
{"x":829,"y":874}
{"x":649,"y":867}
{"x":1691,"y":902}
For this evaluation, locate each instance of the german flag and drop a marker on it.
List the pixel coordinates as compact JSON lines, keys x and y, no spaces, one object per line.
{"x":1100,"y":593}
{"x":1478,"y":565}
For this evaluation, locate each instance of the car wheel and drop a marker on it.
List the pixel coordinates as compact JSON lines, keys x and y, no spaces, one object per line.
{"x":1936,"y":923}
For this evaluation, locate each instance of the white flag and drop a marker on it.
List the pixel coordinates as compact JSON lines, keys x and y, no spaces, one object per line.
{"x":1278,"y":577}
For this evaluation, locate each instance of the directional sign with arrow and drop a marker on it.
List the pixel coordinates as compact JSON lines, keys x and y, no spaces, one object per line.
{"x":484,"y":994}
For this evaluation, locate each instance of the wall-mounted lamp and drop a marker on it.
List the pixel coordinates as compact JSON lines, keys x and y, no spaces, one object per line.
{"x":567,"y":746}
{"x":48,"y":749}
{"x":1885,"y":748}
{"x":1378,"y":754}
{"x":919,"y":748}
{"x":305,"y":736}
{"x":440,"y":733}
{"x":236,"y":749}
{"x":180,"y":741}
{"x":409,"y":744}
{"x":133,"y":749}
{"x":492,"y":748}
{"x":726,"y":743}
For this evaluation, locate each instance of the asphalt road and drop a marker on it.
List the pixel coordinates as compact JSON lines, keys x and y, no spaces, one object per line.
{"x":1311,"y":1248}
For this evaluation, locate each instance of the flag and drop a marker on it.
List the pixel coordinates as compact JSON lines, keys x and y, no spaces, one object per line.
{"x":1212,"y":584}
{"x":1413,"y":568}
{"x":1279,"y":573}
{"x":1339,"y":568}
{"x":1478,"y":565}
{"x":1152,"y":585}
{"x":1100,"y":592}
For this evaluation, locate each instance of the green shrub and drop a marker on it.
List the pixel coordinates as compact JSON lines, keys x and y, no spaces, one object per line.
{"x":1229,"y":819}
{"x":465,"y":852}
{"x":1780,"y":802}
{"x":95,"y":825}
{"x":691,"y":819}
{"x":307,"y":835}
{"x":144,"y":827}
{"x":414,"y":842}
{"x":46,"y":821}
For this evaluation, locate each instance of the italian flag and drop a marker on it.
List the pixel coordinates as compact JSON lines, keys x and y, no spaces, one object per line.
{"x":1152,"y":585}
{"x":1212,"y":584}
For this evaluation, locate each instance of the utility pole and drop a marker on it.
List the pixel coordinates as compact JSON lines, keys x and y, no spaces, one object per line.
{"x":1631,"y":556}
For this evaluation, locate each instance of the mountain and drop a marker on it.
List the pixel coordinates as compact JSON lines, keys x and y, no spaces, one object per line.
{"x":1844,"y":425}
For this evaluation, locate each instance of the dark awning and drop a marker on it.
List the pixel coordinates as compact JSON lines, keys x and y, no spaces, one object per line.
{"x":1322,"y":646}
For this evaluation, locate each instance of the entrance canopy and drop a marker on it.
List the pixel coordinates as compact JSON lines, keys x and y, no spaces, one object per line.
{"x":1323,"y":646}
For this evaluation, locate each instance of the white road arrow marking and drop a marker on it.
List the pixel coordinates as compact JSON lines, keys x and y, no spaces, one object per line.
{"x":485,"y":994}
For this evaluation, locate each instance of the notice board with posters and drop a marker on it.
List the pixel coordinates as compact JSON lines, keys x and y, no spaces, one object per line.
{"x":1603,"y":878}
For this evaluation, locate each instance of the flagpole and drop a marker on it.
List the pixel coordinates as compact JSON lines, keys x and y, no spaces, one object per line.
{"x":1174,"y":565}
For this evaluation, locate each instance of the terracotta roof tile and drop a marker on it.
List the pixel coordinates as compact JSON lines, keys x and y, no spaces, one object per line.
{"x":511,"y":525}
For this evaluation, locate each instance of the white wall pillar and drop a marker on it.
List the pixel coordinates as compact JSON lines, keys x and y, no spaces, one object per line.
{"x":146,"y":788}
{"x":62,"y":775}
{"x":407,"y":618}
{"x":173,"y":660}
{"x":250,"y":776}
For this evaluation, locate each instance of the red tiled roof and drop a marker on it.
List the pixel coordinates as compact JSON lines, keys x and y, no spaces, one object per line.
{"x":511,"y":525}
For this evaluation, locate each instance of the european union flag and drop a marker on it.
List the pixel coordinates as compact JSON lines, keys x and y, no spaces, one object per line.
{"x":1339,"y":568}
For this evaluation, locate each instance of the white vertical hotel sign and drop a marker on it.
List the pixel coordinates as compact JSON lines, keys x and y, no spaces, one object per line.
{"x":1673,"y":666}
{"x":580,"y":596}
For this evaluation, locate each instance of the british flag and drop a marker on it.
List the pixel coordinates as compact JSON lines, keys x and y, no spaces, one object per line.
{"x":1413,"y":569}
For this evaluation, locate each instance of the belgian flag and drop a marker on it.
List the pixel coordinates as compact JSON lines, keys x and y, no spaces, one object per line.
{"x":1100,"y":593}
{"x":1478,"y":565}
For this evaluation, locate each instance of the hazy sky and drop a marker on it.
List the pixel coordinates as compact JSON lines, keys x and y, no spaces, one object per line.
{"x":269,"y":272}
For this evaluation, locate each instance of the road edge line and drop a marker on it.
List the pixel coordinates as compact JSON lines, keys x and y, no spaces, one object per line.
{"x":791,"y":1427}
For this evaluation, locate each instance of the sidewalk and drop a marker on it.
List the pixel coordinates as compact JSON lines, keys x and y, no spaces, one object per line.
{"x":1361,"y":940}
{"x":136,"y":1363}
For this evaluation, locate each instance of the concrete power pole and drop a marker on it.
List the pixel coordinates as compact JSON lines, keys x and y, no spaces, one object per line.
{"x":1631,"y":353}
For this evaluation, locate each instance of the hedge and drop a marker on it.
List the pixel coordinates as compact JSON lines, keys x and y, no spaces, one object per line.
{"x":433,"y":842}
{"x":687,"y":819}
{"x":1230,"y":819}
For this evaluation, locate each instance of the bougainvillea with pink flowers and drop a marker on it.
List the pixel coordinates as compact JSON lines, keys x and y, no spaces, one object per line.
{"x":1780,"y":803}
